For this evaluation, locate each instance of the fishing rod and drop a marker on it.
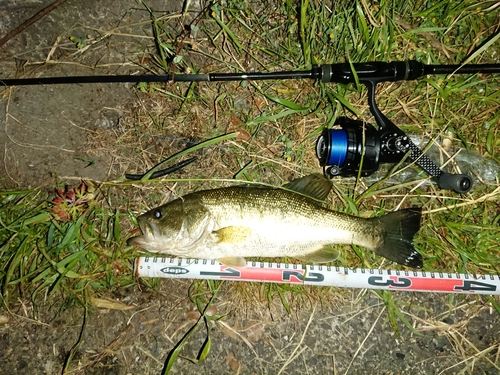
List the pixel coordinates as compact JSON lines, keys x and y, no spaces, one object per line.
{"x":340,"y":277}
{"x":374,"y":72}
{"x":353,"y":147}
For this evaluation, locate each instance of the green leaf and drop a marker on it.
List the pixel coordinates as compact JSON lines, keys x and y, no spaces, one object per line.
{"x":21,"y":250}
{"x":335,"y":96}
{"x":354,"y":73}
{"x":207,"y":345}
{"x":490,"y":141}
{"x":483,"y":48}
{"x":117,"y":234}
{"x":70,"y":235}
{"x":227,"y":30}
{"x":40,"y":218}
{"x":362,"y":22}
{"x":266,"y":118}
{"x":287,"y":103}
{"x":174,"y":353}
{"x":420,"y":30}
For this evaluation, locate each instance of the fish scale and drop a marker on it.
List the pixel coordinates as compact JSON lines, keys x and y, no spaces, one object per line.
{"x":281,"y":212}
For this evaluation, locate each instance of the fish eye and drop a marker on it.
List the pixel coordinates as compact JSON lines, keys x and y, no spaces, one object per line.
{"x":157,"y":214}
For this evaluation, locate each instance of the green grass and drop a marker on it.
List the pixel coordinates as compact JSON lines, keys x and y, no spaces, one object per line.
{"x":45,"y":255}
{"x":61,"y":249}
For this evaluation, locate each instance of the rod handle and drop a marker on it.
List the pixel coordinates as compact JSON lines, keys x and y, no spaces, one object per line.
{"x":372,"y":72}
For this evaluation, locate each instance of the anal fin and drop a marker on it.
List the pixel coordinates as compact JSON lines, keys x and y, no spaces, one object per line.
{"x":233,"y":261}
{"x":324,"y":255}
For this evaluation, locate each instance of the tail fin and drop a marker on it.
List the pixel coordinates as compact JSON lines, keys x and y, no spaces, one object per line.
{"x":399,"y":228}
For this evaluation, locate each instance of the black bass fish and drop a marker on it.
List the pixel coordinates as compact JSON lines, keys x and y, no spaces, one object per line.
{"x":231,"y":223}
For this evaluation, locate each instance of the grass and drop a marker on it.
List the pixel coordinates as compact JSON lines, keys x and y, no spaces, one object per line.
{"x":74,"y":247}
{"x":61,"y":247}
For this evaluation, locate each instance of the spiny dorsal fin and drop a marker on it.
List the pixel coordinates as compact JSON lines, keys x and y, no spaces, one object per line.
{"x":315,"y":186}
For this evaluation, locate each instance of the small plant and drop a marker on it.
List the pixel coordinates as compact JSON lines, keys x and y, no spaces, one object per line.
{"x":79,"y":42}
{"x":288,"y":152}
{"x":71,"y":203}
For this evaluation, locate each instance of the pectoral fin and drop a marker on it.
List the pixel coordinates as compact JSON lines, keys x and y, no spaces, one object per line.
{"x":233,"y":261}
{"x":232,"y":235}
{"x":324,"y":255}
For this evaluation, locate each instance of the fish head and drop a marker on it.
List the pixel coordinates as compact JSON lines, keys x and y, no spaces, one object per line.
{"x":174,"y":228}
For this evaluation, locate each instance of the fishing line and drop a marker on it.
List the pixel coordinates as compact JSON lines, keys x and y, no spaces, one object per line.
{"x":340,"y":277}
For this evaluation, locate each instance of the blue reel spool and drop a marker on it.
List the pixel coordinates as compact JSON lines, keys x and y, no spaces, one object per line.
{"x":352,"y":148}
{"x":331,"y":147}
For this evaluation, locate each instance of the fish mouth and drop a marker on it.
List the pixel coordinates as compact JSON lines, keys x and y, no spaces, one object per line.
{"x":148,"y":235}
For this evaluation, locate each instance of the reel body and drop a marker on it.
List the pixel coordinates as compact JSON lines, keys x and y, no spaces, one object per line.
{"x":351,"y":150}
{"x":355,"y":148}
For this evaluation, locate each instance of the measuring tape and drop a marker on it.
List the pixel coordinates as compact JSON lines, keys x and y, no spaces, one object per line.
{"x":341,"y":277}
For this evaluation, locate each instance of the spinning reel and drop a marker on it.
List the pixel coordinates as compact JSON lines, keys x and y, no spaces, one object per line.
{"x":359,"y":148}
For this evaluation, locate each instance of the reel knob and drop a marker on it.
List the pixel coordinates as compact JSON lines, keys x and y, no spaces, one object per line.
{"x":459,"y":183}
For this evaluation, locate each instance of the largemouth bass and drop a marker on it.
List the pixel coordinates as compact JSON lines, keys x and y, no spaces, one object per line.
{"x":229,"y":224}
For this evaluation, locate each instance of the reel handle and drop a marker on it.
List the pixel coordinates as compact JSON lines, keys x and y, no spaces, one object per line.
{"x":459,"y":183}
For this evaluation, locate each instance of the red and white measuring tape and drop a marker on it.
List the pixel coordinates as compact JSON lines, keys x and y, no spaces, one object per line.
{"x":341,"y":277}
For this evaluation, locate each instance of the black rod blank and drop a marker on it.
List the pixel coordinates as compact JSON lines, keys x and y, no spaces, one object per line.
{"x":462,"y":69}
{"x":341,"y":73}
{"x":312,"y":74}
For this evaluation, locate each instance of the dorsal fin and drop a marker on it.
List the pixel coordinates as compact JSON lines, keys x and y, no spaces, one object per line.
{"x":314,"y":185}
